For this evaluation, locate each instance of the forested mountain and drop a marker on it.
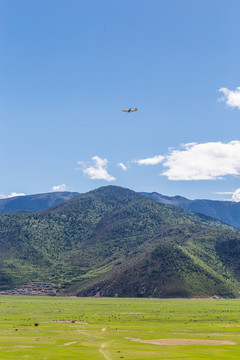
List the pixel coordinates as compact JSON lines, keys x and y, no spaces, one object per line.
{"x":226,"y":211}
{"x":34,"y":203}
{"x":115,"y":241}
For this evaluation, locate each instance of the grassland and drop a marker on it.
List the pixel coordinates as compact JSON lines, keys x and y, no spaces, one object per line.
{"x":104,"y":328}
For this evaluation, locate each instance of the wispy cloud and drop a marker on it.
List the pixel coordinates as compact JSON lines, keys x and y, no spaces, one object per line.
{"x":99,"y":170}
{"x":223,"y":192}
{"x":151,"y":161}
{"x":205,"y":161}
{"x":61,"y":187}
{"x":231,"y":98}
{"x":13,"y":194}
{"x":122,"y":166}
{"x":235,"y":194}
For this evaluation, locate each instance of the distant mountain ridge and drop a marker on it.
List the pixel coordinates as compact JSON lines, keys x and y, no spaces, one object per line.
{"x":34,"y":203}
{"x":226,"y":211}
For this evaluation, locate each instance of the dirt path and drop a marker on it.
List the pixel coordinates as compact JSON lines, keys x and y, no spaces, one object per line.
{"x":70,"y":343}
{"x":104,"y":351}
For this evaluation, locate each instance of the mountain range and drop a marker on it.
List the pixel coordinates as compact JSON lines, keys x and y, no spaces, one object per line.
{"x":226,"y":211}
{"x":115,"y":242}
{"x":34,"y":203}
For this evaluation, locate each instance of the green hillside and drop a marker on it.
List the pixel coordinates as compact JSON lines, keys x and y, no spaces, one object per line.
{"x":226,"y":211}
{"x":113,"y":241}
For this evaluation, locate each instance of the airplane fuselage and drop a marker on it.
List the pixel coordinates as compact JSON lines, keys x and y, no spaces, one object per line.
{"x":130,"y":110}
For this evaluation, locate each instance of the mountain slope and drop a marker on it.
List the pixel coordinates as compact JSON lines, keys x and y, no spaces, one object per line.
{"x":34,"y":203}
{"x":113,"y":240}
{"x":226,"y":211}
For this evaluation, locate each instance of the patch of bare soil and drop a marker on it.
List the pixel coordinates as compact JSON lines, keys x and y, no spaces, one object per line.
{"x":183,"y":341}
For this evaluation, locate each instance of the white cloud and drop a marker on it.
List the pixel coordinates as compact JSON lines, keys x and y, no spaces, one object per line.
{"x":236,"y":195}
{"x":206,"y":161}
{"x":151,"y":161}
{"x":61,"y":187}
{"x":98,"y":170}
{"x":122,"y":166}
{"x":13,"y":194}
{"x":232,"y":98}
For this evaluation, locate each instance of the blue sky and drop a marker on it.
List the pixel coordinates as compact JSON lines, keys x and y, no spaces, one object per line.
{"x":69,"y":67}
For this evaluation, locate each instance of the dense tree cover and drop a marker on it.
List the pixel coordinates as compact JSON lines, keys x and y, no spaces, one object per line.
{"x":115,"y":241}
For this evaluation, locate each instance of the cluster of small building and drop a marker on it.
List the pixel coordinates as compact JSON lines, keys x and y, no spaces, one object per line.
{"x":33,"y":288}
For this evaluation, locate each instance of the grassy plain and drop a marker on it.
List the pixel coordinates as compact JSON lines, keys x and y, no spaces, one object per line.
{"x":104,"y":328}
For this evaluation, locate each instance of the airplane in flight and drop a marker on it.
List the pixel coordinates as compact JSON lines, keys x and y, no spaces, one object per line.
{"x":130,"y":110}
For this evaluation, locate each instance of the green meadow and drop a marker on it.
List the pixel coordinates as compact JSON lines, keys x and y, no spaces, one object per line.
{"x":106,"y":328}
